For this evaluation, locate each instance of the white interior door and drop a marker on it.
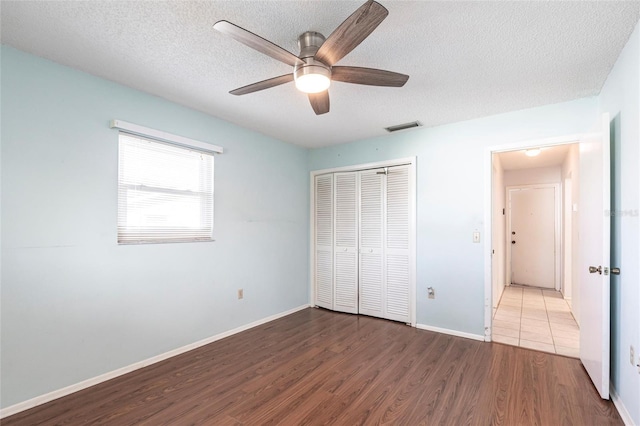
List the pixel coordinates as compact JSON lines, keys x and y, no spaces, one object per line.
{"x":595,"y":200}
{"x":372,"y":289}
{"x":533,"y":223}
{"x":323,"y":218}
{"x":346,"y":242}
{"x":364,"y":242}
{"x":397,"y":244}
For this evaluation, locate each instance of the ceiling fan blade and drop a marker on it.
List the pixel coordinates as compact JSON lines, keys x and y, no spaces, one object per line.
{"x":264,"y":84}
{"x":256,"y":42}
{"x":351,"y":32}
{"x":320,"y":102}
{"x":368,"y":76}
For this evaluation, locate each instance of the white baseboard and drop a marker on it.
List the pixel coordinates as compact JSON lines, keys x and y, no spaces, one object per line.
{"x":43,"y":399}
{"x":451,"y":332}
{"x":624,"y":413}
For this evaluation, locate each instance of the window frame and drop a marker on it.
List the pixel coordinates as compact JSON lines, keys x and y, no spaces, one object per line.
{"x":122,"y":237}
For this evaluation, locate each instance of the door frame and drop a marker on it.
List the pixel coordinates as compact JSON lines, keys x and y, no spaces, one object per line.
{"x":567,"y":236}
{"x":411,"y":162}
{"x":556,"y":229}
{"x":488,"y":207}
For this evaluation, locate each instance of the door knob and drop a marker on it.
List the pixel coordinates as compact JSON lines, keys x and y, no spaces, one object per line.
{"x":615,"y":271}
{"x":513,"y":232}
{"x":593,"y":270}
{"x":513,"y":242}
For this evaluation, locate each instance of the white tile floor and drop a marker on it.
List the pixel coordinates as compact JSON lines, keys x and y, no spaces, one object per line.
{"x":536,"y":319}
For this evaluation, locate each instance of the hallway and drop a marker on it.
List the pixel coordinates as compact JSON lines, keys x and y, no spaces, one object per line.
{"x":537,"y":319}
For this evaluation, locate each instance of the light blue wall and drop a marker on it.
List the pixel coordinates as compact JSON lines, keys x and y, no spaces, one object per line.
{"x":74,"y":303}
{"x":450,"y":198}
{"x":620,"y":97}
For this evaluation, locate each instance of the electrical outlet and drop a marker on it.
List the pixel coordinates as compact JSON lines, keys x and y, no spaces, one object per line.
{"x":431,"y":293}
{"x":632,"y":355}
{"x":240,"y":293}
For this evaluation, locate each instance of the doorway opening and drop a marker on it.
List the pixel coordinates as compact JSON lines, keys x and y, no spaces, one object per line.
{"x":534,"y":303}
{"x":590,"y":260}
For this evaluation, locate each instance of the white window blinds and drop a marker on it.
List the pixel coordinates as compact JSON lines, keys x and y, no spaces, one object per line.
{"x":165,"y":192}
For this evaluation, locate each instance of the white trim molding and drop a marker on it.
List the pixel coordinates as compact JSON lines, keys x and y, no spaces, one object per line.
{"x":366,"y":166}
{"x":164,"y":136}
{"x":622,"y":410}
{"x":456,"y":333}
{"x":59,"y":393}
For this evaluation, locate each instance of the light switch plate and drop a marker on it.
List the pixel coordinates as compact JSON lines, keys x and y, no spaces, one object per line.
{"x":476,"y":236}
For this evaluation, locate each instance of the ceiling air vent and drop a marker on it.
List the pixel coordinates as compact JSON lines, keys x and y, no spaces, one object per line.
{"x":404,"y":126}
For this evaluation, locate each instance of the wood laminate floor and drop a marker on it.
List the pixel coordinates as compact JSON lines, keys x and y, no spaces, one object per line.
{"x":317,"y":367}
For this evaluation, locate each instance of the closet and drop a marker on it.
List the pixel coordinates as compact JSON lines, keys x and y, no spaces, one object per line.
{"x":363,"y":242}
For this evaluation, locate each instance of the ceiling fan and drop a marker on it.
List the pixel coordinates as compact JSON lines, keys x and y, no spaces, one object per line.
{"x":313,"y":68}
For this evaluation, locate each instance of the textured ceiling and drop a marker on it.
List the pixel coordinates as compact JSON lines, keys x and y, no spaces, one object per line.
{"x":549,"y":157}
{"x":465,"y":59}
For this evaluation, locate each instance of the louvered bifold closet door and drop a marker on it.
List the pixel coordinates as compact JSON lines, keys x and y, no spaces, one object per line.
{"x":397,"y":251}
{"x":372,"y":201}
{"x":346,"y":242}
{"x":323,"y":217}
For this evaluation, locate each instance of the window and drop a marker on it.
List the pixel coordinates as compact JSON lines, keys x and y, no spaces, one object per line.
{"x":165,"y":192}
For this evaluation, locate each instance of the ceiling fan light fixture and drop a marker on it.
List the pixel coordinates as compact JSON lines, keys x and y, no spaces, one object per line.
{"x":532,"y":152}
{"x":313,"y":68}
{"x":312,"y":79}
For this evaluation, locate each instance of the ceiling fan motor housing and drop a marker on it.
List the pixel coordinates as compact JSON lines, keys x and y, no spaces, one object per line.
{"x":309,"y":43}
